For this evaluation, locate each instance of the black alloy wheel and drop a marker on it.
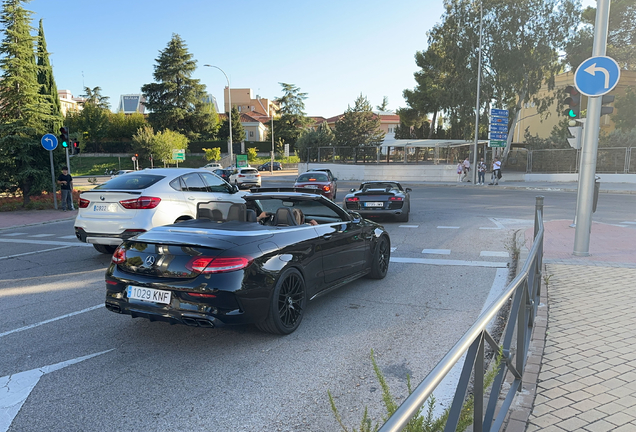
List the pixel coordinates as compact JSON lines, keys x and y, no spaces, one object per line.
{"x":288,"y":304}
{"x":381,"y":257}
{"x":105,"y":249}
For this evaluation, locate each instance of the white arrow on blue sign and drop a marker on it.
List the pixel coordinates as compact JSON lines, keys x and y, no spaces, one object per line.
{"x":497,"y":136}
{"x":494,"y":112}
{"x":597,"y":76}
{"x":498,"y":128}
{"x":49,"y":142}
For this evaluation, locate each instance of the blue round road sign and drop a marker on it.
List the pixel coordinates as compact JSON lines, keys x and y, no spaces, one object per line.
{"x":597,"y":76}
{"x":49,"y":142}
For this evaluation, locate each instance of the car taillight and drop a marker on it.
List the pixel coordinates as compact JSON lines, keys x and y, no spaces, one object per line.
{"x":84,"y":203}
{"x":119,"y":256}
{"x":241,"y":175}
{"x":353,"y":199}
{"x":141,"y":203}
{"x":208,"y":265}
{"x":396,"y":199}
{"x":326,"y":188}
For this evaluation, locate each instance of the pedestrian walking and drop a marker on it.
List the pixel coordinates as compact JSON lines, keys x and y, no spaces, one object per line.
{"x":481,"y":172}
{"x":66,"y":183}
{"x":460,"y":171}
{"x":496,"y":172}
{"x":466,"y":169}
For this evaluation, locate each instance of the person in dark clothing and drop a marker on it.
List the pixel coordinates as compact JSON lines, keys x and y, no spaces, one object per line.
{"x":65,"y":181}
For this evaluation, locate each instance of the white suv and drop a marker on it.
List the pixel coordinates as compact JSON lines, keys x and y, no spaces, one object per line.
{"x":138,"y":201}
{"x":246,"y":177}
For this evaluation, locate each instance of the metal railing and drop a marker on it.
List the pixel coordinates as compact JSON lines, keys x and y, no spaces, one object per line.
{"x":525,"y":291}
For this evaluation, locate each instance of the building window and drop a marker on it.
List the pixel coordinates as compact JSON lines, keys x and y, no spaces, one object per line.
{"x":251,"y":133}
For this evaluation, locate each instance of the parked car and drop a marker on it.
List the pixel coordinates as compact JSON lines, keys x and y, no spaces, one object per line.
{"x":245,"y":177}
{"x":380,"y":198}
{"x":275,"y":167}
{"x":223,"y":173}
{"x":321,"y":180}
{"x":120,"y":172}
{"x":213,"y":166}
{"x":208,"y":273}
{"x":138,"y":201}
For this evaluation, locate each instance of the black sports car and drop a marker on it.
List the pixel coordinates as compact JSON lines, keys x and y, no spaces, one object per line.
{"x":380,"y":198}
{"x":225,"y":267}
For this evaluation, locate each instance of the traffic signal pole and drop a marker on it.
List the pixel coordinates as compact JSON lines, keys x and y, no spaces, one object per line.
{"x":585,"y":199}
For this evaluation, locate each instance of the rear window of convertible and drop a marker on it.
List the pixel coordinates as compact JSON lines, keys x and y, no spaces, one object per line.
{"x":131,"y":181}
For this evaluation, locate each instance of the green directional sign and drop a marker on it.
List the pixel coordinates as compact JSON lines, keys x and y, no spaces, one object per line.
{"x":178,"y":155}
{"x":241,"y":161}
{"x":496,"y":143}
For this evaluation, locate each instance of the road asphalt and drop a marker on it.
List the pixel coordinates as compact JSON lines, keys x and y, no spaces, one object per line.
{"x":581,"y":370}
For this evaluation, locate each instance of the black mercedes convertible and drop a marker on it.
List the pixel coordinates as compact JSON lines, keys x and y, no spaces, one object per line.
{"x":258,"y":262}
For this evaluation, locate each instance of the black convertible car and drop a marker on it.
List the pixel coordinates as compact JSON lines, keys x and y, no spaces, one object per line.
{"x":225,"y":267}
{"x":380,"y":198}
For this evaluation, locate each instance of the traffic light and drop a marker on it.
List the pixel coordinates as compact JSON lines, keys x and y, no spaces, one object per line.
{"x":573,"y":101}
{"x":64,"y":137}
{"x":76,"y":147}
{"x":607,"y":99}
{"x":577,"y":133}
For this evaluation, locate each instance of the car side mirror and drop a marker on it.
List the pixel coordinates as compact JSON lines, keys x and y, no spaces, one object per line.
{"x":355,"y":217}
{"x":234,"y":188}
{"x":335,"y":179}
{"x":352,"y":190}
{"x":408,"y":189}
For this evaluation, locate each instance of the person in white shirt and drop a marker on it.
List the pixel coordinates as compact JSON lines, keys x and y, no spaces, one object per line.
{"x":496,"y":171}
{"x":466,"y":169}
{"x":460,"y":170}
{"x":481,"y":172}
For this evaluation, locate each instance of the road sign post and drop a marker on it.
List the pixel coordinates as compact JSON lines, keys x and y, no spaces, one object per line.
{"x":593,"y":82}
{"x":49,"y":142}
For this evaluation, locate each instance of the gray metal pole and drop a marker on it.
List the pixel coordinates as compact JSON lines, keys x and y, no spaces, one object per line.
{"x":53,"y":180}
{"x":481,"y":18}
{"x":229,"y":96}
{"x":271,"y":157}
{"x":585,"y":199}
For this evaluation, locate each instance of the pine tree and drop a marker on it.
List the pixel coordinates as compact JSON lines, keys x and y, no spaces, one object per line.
{"x":238,"y":132}
{"x":25,"y":114}
{"x":175,"y":100}
{"x":359,"y":126}
{"x":46,"y":80}
{"x":292,"y":121}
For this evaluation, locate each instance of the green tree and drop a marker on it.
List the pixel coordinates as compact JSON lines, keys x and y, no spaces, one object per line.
{"x":384,"y":106}
{"x":25,"y":113}
{"x":292,"y":120}
{"x":161,"y":144}
{"x":625,"y":116}
{"x":310,"y":140}
{"x":143,"y":139}
{"x":176,"y":100}
{"x":213,"y":154}
{"x":252,"y":154}
{"x":238,"y":132}
{"x":122,"y":126}
{"x":47,"y":82}
{"x":93,"y":121}
{"x":359,"y":126}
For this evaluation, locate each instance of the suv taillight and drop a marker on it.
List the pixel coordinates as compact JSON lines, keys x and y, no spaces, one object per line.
{"x":141,"y":203}
{"x":207,"y":265}
{"x":84,"y":203}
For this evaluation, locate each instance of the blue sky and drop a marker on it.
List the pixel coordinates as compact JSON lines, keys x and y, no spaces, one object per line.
{"x":332,"y":50}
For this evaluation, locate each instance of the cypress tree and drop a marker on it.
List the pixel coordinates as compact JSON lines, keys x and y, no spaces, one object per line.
{"x":25,"y":114}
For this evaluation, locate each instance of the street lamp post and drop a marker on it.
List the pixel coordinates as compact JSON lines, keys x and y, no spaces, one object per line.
{"x":229,"y":96}
{"x":481,"y":18}
{"x":271,"y":162}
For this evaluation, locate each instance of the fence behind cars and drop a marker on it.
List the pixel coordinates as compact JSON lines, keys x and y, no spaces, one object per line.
{"x":610,"y":160}
{"x":525,"y":292}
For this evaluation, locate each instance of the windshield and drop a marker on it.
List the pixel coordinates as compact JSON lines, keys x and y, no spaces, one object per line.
{"x":131,"y":181}
{"x":312,"y":177}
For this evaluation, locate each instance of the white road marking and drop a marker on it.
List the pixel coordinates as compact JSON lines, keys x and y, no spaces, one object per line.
{"x":13,"y":234}
{"x":34,"y":252}
{"x":494,"y":254}
{"x":447,"y":227}
{"x":92,"y":308}
{"x":68,"y":237}
{"x":16,"y":388}
{"x":393,"y":248}
{"x":46,"y":242}
{"x":437,"y":251}
{"x":409,"y":226}
{"x":629,"y":223}
{"x":498,"y":224}
{"x":449,"y":262}
{"x":42,"y":235}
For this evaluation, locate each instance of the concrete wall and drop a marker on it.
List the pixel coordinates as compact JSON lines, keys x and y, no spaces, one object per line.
{"x":441,"y":173}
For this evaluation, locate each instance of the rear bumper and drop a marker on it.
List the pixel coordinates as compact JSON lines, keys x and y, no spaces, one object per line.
{"x":102,"y":239}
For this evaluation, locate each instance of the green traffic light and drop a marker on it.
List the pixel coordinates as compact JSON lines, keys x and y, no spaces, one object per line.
{"x":64,"y":144}
{"x":571,"y":113}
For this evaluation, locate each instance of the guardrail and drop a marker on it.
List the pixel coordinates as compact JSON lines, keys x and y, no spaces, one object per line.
{"x":525,"y":291}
